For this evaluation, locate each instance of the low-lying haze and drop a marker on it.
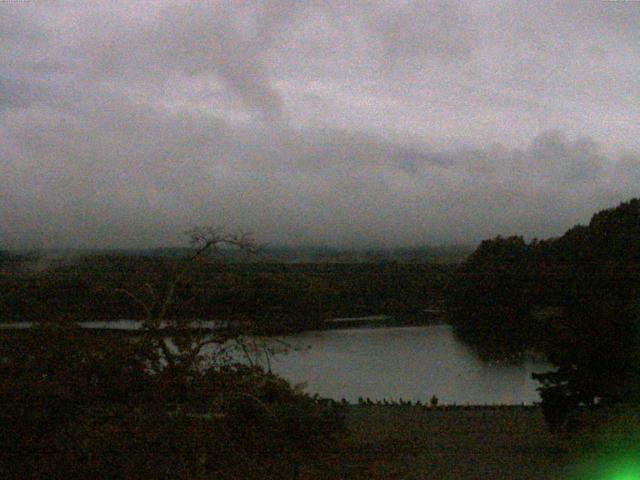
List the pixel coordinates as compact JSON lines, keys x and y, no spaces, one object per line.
{"x":123,"y":123}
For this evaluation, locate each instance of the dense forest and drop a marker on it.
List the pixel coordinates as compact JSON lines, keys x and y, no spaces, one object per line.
{"x":295,"y":295}
{"x":575,"y":299}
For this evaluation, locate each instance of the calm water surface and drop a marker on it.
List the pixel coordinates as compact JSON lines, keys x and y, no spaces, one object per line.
{"x":412,"y":363}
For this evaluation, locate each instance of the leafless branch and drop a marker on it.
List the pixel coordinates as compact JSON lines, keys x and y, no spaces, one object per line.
{"x":203,"y":240}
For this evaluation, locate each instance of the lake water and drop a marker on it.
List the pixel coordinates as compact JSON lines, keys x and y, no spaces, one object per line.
{"x":412,"y":363}
{"x":409,"y":363}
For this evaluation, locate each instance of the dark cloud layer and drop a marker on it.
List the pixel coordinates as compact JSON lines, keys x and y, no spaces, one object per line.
{"x":373,"y":123}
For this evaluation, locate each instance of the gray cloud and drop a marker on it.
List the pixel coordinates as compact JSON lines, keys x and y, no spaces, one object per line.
{"x":123,"y":124}
{"x":413,"y":30}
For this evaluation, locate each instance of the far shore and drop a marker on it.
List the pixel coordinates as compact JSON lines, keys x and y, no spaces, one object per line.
{"x":132,"y":326}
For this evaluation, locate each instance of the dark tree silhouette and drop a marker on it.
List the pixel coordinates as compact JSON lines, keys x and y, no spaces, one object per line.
{"x":574,"y":298}
{"x":79,"y":404}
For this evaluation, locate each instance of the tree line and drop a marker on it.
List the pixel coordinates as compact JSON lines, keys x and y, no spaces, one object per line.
{"x":295,"y":296}
{"x":575,"y":299}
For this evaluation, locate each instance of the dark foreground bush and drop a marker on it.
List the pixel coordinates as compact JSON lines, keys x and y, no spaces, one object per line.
{"x":74,"y":404}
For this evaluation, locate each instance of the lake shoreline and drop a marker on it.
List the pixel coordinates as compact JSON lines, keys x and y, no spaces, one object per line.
{"x":363,"y":362}
{"x":126,"y":326}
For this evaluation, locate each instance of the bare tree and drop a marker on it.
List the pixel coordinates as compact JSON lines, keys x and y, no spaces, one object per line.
{"x":178,"y":343}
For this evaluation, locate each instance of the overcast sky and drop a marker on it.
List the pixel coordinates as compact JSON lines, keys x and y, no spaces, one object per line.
{"x":340,"y":123}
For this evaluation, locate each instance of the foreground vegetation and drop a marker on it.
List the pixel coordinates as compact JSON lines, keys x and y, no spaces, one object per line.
{"x":175,"y":403}
{"x":78,"y":405}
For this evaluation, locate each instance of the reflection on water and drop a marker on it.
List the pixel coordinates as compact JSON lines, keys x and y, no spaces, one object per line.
{"x":412,"y":363}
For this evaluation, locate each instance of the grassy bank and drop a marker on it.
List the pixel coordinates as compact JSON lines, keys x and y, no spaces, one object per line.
{"x":405,"y":442}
